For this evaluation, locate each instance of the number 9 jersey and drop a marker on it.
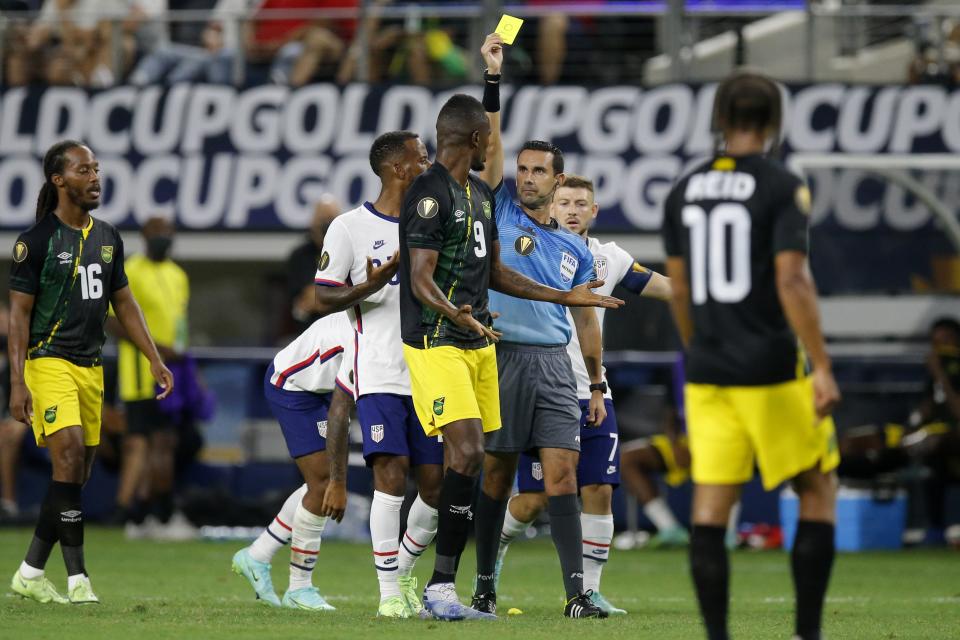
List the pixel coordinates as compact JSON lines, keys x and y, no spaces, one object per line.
{"x":72,"y":273}
{"x":728,"y":219}
{"x":457,"y":222}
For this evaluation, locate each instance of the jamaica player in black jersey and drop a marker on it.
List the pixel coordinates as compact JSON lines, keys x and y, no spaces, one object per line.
{"x":735,"y":233}
{"x":67,"y":271}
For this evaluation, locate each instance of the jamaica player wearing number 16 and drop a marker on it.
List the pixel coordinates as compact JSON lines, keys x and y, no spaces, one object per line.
{"x":735,"y":233}
{"x":67,"y":270}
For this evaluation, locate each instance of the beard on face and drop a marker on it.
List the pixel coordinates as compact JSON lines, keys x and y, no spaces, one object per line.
{"x":535,"y":202}
{"x":80,"y":198}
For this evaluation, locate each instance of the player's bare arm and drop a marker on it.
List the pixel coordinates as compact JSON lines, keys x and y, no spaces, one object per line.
{"x":587,"y":326}
{"x":129,"y":314}
{"x":338,"y":427}
{"x":506,"y":280}
{"x":659,"y":288}
{"x":423,"y":262}
{"x":492,"y":52}
{"x":680,"y":298}
{"x":335,"y":299}
{"x":798,"y":297}
{"x":21,"y":306}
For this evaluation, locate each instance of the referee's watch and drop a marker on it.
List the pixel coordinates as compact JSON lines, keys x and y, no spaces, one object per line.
{"x":600,"y":386}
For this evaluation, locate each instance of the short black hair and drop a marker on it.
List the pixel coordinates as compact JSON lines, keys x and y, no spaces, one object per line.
{"x":459,"y":117}
{"x":387,"y":147}
{"x":747,"y":101}
{"x":547,"y":147}
{"x":948,"y":323}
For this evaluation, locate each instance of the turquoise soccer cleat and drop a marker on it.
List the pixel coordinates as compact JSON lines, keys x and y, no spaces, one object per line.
{"x":307,"y":598}
{"x":257,"y":574}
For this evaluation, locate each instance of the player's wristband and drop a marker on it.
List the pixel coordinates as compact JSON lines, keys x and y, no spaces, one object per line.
{"x":491,"y":92}
{"x":599,"y":386}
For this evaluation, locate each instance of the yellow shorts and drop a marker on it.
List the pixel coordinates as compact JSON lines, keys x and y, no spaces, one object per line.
{"x":450,"y":384}
{"x":675,"y":475}
{"x":730,"y":427}
{"x":64,"y":395}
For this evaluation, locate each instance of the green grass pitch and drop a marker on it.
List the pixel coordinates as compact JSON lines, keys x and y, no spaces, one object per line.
{"x":186,"y":591}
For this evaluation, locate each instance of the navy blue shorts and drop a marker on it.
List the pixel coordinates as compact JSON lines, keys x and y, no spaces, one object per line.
{"x":302,"y":416}
{"x":390,"y":426}
{"x":599,"y":455}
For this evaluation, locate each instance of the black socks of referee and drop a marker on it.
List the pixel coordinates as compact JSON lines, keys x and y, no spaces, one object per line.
{"x":567,"y":534}
{"x":453,"y":525}
{"x":711,"y":577}
{"x":490,"y":514}
{"x":61,"y":519}
{"x":811,"y":561}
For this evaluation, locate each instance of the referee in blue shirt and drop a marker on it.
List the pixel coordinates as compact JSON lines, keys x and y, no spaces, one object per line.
{"x":539,"y":408}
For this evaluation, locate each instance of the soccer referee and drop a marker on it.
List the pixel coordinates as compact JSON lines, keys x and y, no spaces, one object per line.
{"x":67,"y":270}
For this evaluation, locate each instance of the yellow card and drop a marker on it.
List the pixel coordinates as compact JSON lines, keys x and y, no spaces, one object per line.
{"x":508,"y":28}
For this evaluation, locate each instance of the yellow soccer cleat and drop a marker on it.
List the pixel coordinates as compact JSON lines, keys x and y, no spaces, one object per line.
{"x":39,"y":589}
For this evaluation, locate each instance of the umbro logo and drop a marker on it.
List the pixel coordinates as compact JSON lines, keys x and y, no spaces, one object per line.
{"x":379,"y":243}
{"x":70,"y":516}
{"x":461,"y":511}
{"x":65,"y":257}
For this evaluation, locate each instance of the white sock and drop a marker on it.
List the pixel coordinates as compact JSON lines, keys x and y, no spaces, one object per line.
{"x":597,"y":534}
{"x":511,"y":529}
{"x":277,"y":533}
{"x":304,"y":546}
{"x":385,"y":534}
{"x":421,"y":530}
{"x":734,"y":518}
{"x":660,"y":515}
{"x":28,"y":572}
{"x":73,"y":580}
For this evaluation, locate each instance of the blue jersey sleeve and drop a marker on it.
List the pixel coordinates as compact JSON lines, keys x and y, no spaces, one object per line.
{"x":585,"y":270}
{"x":502,"y":202}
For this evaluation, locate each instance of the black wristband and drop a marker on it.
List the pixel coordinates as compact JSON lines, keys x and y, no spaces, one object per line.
{"x":491,"y":92}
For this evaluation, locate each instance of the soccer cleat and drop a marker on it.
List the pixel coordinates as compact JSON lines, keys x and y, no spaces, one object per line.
{"x":485,"y":603}
{"x":441,"y":600}
{"x":582,"y":606}
{"x":82,"y":592}
{"x":393,"y":607}
{"x":670,"y":538}
{"x":257,"y":574}
{"x":307,"y":598}
{"x":39,"y":589}
{"x":408,"y":589}
{"x":597,"y":598}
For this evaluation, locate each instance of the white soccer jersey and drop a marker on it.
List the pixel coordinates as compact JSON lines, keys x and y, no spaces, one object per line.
{"x":313,"y":361}
{"x":354,"y":236}
{"x":611,"y":264}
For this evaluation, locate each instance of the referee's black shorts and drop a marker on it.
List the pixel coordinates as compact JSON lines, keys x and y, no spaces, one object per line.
{"x":145,"y":417}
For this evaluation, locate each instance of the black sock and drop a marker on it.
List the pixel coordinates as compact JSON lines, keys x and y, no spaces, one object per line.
{"x":45,"y":535}
{"x":711,"y":577}
{"x":68,"y":512}
{"x":163,"y":507}
{"x":453,"y":526}
{"x":568,"y":539}
{"x":811,"y":561}
{"x":490,"y":514}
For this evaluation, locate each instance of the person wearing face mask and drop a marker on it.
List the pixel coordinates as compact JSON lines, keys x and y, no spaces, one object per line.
{"x":145,"y":494}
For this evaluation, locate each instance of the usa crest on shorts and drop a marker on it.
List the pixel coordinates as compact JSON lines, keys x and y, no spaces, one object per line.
{"x":376,"y":432}
{"x":322,"y":428}
{"x":536,"y":470}
{"x":568,"y":267}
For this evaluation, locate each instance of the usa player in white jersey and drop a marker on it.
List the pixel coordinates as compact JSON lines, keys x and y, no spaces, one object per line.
{"x":598,"y":472}
{"x":359,"y":243}
{"x":308,"y":388}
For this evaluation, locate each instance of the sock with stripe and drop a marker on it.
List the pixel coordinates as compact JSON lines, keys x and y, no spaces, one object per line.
{"x":811,"y":561}
{"x":659,"y":513}
{"x":304,"y":546}
{"x":385,"y":536}
{"x":453,"y":527}
{"x":568,"y":539}
{"x":278,"y":532}
{"x":509,"y":532}
{"x":597,"y":534}
{"x":421,"y":530}
{"x":490,"y":516}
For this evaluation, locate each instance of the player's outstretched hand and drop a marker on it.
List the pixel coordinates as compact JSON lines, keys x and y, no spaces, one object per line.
{"x":334,"y":501}
{"x":582,"y":296}
{"x":597,"y":411}
{"x":163,"y":377}
{"x":21,"y":403}
{"x":378,"y":277}
{"x":464,"y":318}
{"x":492,"y":52}
{"x":826,"y":394}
